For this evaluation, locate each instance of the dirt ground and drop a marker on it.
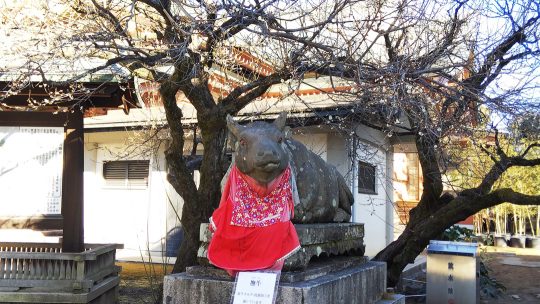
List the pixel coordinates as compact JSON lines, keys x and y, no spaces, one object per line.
{"x":140,"y":283}
{"x":518,"y":270}
{"x":519,"y":273}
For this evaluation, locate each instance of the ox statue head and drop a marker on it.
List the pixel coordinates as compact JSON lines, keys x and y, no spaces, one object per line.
{"x":259,"y":151}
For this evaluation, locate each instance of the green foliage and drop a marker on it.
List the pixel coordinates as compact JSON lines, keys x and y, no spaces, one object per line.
{"x":457,"y":234}
{"x":469,"y":162}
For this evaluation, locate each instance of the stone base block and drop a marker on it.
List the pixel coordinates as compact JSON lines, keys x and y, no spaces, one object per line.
{"x":392,"y":299}
{"x":359,"y":284}
{"x":315,"y":239}
{"x":105,"y":292}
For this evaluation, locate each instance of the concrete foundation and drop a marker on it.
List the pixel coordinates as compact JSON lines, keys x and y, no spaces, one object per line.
{"x":361,"y":283}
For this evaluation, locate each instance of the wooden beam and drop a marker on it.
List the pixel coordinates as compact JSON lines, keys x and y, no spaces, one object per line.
{"x":73,"y":184}
{"x":33,"y":119}
{"x":37,"y":222}
{"x":107,"y":95}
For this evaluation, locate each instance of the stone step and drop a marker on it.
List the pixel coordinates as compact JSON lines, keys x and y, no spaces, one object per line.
{"x":310,"y":234}
{"x":392,"y":299}
{"x":315,"y":269}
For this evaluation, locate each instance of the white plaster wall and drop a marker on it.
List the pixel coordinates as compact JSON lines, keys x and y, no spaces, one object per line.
{"x":338,"y":156}
{"x":316,"y":142}
{"x":139,"y":218}
{"x":374,"y":210}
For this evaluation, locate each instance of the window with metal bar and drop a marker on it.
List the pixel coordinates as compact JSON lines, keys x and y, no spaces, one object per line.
{"x":126,"y":173}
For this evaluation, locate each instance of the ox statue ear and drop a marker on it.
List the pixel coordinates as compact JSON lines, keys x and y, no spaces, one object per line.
{"x":233,"y":126}
{"x":280,"y":121}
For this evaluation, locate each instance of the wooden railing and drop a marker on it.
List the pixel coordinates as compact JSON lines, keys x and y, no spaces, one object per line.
{"x":44,"y":265}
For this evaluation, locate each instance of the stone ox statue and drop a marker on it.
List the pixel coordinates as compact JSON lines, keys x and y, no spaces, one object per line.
{"x":263,"y":150}
{"x":273,"y":182}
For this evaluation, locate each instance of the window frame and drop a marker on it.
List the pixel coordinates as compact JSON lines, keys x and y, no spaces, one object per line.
{"x":126,"y":180}
{"x":363,"y":190}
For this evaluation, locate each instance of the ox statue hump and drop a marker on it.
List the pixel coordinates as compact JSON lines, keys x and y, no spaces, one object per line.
{"x":264,"y":150}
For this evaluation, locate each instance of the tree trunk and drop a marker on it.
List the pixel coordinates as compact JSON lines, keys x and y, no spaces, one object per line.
{"x":537,"y":220}
{"x":515,"y":216}
{"x":208,"y":195}
{"x":498,"y":229}
{"x":414,"y":239}
{"x":213,"y":166}
{"x":529,"y":217}
{"x":504,"y":223}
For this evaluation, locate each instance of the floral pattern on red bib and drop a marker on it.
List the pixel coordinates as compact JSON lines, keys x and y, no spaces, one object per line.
{"x":251,"y":210}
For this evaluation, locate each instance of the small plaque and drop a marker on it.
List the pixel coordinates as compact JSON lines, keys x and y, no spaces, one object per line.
{"x":255,"y":287}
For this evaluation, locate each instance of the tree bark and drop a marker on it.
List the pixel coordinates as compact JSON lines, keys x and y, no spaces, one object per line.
{"x":199,"y":206}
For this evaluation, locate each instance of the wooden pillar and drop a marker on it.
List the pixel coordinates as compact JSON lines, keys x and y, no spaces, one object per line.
{"x":72,"y":184}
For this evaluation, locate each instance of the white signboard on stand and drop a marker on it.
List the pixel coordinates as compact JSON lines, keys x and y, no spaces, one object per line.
{"x":256,"y":287}
{"x":31,"y":162}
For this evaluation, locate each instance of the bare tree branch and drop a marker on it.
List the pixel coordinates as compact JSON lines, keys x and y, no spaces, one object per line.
{"x":239,"y":97}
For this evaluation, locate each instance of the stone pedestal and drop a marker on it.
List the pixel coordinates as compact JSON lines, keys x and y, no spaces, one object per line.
{"x":329,"y":268}
{"x":316,"y":240}
{"x":346,"y":280}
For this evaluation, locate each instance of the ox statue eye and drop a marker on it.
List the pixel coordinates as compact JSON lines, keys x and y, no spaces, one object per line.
{"x":242,"y":142}
{"x":280,"y":140}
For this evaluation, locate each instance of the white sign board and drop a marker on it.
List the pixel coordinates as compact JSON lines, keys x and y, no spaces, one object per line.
{"x":255,"y":288}
{"x":31,"y":170}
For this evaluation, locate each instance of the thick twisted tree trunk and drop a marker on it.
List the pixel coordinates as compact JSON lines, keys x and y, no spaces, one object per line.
{"x":199,"y":206}
{"x":416,"y":236}
{"x":198,"y":203}
{"x":435,"y":212}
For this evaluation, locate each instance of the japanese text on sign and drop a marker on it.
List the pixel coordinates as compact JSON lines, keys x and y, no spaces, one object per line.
{"x":450,"y":283}
{"x":255,"y":288}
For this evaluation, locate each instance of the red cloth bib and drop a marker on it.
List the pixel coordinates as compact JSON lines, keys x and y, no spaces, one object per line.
{"x":252,"y":227}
